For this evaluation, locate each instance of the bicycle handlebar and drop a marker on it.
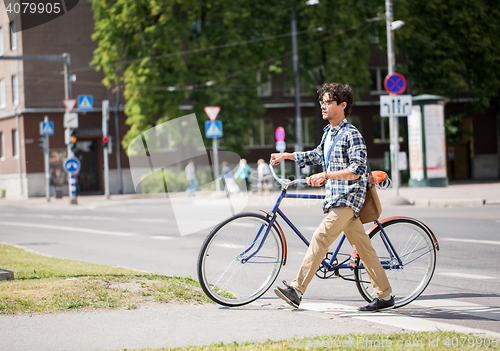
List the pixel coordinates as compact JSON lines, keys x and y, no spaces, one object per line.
{"x":285,"y":182}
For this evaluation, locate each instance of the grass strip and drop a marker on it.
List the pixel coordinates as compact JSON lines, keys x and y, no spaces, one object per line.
{"x":438,"y":340}
{"x":44,"y":284}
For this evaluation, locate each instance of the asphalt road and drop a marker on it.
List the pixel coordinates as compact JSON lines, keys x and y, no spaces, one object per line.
{"x":143,"y":234}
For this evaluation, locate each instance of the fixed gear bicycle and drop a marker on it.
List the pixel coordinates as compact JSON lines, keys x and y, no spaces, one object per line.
{"x":242,"y":256}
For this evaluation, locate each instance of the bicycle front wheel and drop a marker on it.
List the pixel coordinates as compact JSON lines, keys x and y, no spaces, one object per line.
{"x":232,"y":270}
{"x":415,"y":247}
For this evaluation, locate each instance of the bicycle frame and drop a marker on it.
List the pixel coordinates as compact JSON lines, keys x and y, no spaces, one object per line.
{"x":394,"y":261}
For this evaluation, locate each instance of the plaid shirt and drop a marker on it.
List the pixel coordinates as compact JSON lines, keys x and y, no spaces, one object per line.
{"x":350,"y":153}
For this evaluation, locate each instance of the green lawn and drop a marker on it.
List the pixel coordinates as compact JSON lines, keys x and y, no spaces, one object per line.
{"x":44,"y":284}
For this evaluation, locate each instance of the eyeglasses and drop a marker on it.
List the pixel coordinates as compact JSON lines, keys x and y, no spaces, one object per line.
{"x":327,"y":102}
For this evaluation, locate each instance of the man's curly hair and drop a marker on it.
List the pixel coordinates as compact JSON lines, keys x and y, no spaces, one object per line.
{"x":338,"y":92}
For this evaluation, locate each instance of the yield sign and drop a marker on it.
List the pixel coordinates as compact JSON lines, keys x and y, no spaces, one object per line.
{"x":70,"y":104}
{"x":212,"y":112}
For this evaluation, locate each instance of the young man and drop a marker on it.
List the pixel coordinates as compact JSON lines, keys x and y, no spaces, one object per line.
{"x":345,"y":177}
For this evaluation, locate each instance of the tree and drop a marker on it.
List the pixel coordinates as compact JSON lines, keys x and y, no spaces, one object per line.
{"x":452,"y":47}
{"x":208,"y":53}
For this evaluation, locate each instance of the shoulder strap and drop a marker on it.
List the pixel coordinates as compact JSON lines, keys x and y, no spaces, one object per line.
{"x":335,"y":141}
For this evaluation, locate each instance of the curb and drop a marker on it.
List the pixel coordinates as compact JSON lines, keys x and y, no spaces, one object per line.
{"x":6,"y":275}
{"x":451,"y":202}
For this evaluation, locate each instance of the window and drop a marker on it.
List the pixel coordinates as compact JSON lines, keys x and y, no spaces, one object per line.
{"x":1,"y":146}
{"x":381,"y":131}
{"x":3,"y":99}
{"x":377,"y":75}
{"x":308,"y":125}
{"x":265,"y":87}
{"x":13,"y":36}
{"x":15,"y":90}
{"x":264,"y":134}
{"x":15,"y":151}
{"x":1,"y":42}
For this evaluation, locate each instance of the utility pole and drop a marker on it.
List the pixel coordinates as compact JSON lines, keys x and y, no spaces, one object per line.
{"x":393,"y":120}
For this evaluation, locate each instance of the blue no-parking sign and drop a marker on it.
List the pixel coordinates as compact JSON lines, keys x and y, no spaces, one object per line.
{"x":395,"y":83}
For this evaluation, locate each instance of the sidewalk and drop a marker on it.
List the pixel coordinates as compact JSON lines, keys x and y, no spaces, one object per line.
{"x":464,"y":194}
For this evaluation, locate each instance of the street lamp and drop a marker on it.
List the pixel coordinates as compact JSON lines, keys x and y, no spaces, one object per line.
{"x":296,"y":85}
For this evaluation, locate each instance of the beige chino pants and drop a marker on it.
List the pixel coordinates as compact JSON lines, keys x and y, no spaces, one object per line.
{"x":338,"y":220}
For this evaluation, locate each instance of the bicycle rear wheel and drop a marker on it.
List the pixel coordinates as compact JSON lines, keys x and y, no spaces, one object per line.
{"x":417,"y":250}
{"x":223,"y":272}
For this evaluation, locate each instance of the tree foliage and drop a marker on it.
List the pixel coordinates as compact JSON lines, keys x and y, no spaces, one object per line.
{"x":452,"y":47}
{"x":168,"y":53}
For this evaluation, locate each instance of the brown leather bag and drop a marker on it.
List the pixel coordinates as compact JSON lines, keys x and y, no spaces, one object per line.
{"x":372,"y":209}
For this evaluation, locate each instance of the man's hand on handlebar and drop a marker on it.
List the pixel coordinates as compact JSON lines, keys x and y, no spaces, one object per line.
{"x":318,"y":179}
{"x":277,"y":158}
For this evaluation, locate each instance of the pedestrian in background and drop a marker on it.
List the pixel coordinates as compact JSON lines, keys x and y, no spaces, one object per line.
{"x":191,"y":178}
{"x":227,"y":175}
{"x":243,"y":172}
{"x":264,"y":176}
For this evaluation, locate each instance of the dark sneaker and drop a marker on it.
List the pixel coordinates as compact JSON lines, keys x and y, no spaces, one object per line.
{"x":289,"y":295}
{"x":377,"y":304}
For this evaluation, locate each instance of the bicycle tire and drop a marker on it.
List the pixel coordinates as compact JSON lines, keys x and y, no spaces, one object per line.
{"x":221,"y":273}
{"x":415,"y":246}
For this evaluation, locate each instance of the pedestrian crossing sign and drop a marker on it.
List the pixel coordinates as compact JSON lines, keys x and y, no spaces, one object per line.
{"x":85,"y":102}
{"x":213,"y":129}
{"x":46,"y":128}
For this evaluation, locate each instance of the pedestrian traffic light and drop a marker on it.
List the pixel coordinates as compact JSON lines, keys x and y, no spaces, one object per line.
{"x":105,"y":141}
{"x":41,"y":143}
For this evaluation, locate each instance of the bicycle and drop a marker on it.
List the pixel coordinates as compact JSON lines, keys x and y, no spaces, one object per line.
{"x":242,"y":256}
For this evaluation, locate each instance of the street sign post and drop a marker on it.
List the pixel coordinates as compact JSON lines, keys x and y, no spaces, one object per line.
{"x":85,"y":102}
{"x":212,"y":112}
{"x":395,"y":83}
{"x":105,"y":118}
{"x":46,"y":128}
{"x":214,"y":131}
{"x":71,"y":120}
{"x":72,"y":167}
{"x":69,"y":104}
{"x":281,"y":146}
{"x":395,"y":105}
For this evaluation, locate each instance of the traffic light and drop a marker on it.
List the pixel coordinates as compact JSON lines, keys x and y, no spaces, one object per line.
{"x":41,"y":143}
{"x":105,"y":141}
{"x":72,"y":139}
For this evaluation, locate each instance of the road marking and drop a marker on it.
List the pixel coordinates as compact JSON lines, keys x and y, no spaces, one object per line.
{"x":72,"y":229}
{"x":487,"y":242}
{"x":395,"y":320}
{"x":161,"y":237}
{"x":461,"y":307}
{"x":92,"y":218}
{"x":467,"y":276}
